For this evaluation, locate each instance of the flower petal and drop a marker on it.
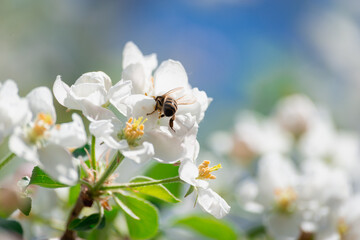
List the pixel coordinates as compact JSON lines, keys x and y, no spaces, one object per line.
{"x":212,"y":203}
{"x":93,"y":92}
{"x":283,"y":226}
{"x":22,"y":148}
{"x":14,"y":111}
{"x":61,"y":91}
{"x":71,"y":135}
{"x":188,"y":172}
{"x":139,"y":154}
{"x":140,"y":81}
{"x":118,"y":94}
{"x":94,"y":112}
{"x":41,"y":101}
{"x":95,"y":77}
{"x":131,"y":54}
{"x":105,"y":130}
{"x":59,"y":164}
{"x":170,"y":74}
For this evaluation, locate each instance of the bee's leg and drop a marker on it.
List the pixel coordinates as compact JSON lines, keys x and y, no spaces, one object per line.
{"x":162,"y":115}
{"x":171,"y":122}
{"x":151,"y":112}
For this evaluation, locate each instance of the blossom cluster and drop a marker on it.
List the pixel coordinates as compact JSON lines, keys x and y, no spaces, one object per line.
{"x":299,"y":171}
{"x":126,"y":118}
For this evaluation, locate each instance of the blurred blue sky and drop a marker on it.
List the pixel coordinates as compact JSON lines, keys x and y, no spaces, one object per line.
{"x":226,"y":46}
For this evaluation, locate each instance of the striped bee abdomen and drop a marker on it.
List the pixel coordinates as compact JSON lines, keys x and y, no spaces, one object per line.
{"x":170,"y":107}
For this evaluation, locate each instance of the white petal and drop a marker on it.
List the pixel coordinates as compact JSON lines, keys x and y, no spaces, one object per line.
{"x":59,"y":164}
{"x":170,"y":74}
{"x":212,"y":203}
{"x":168,"y":148}
{"x":197,"y":108}
{"x":61,"y":90}
{"x":139,"y":106}
{"x":171,"y":146}
{"x":93,"y":92}
{"x":8,"y":89}
{"x":150,"y":63}
{"x":106,"y":130}
{"x":22,"y":148}
{"x":283,"y":226}
{"x":140,"y":81}
{"x":94,"y":112}
{"x":118,"y":93}
{"x":95,"y":77}
{"x":140,"y":154}
{"x":131,"y":54}
{"x":71,"y":135}
{"x":41,"y":101}
{"x":188,"y":172}
{"x":14,"y":111}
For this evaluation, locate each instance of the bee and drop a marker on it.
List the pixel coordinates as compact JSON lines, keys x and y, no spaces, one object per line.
{"x":167,"y":106}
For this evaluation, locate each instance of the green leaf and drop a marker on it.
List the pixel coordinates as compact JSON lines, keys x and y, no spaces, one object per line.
{"x":117,"y":197}
{"x":157,"y":191}
{"x":208,"y":227}
{"x":189,"y":191}
{"x":74,"y":193}
{"x":161,"y":171}
{"x":25,"y":205}
{"x":40,"y":178}
{"x":81,"y":151}
{"x":148,"y":224}
{"x":256,"y":231}
{"x":11,"y":226}
{"x":87,"y":223}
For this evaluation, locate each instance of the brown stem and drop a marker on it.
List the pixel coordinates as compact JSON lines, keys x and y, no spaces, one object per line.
{"x":84,"y":200}
{"x":306,"y":236}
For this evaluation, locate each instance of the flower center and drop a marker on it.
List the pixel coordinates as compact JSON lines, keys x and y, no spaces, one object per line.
{"x":285,"y":198}
{"x":205,"y":170}
{"x":133,"y":130}
{"x":42,"y":123}
{"x":342,"y":228}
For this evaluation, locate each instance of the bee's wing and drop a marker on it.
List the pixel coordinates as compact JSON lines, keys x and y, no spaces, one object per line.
{"x":173,"y":90}
{"x":186,"y":100}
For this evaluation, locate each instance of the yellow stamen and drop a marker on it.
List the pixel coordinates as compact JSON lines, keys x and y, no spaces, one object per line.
{"x":42,"y":124}
{"x":285,"y":197}
{"x":342,"y":227}
{"x":205,"y":170}
{"x":134,"y":130}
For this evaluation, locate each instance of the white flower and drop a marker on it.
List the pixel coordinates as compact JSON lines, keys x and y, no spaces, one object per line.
{"x":255,"y":136}
{"x":296,"y":113}
{"x":247,"y":194}
{"x":90,"y":92}
{"x":277,"y":181}
{"x":14,"y":110}
{"x":348,"y":220}
{"x":278,"y":193}
{"x":167,"y":145}
{"x":343,"y":223}
{"x":137,"y":140}
{"x":198,"y":177}
{"x":339,"y":149}
{"x":170,"y":75}
{"x":43,"y":142}
{"x":124,"y":137}
{"x":138,"y":68}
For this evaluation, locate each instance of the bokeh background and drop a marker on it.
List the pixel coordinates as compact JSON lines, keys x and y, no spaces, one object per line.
{"x":246,"y":54}
{"x":243,"y":53}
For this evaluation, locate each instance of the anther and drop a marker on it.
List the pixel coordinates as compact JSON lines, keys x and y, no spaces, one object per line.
{"x":205,"y":170}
